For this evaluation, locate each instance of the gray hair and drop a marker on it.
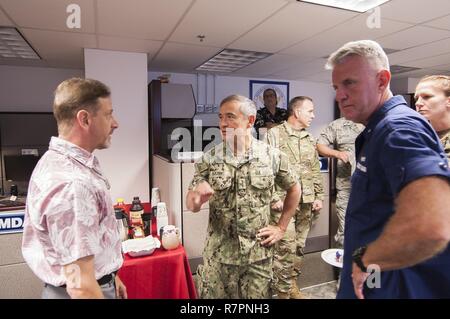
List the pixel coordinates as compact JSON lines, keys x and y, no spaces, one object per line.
{"x":368,"y":49}
{"x":246,"y":106}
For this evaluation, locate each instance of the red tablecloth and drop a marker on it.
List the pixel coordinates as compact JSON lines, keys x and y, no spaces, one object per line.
{"x":163,"y":275}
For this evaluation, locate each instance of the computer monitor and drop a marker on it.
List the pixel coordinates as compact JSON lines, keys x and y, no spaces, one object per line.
{"x":19,"y":167}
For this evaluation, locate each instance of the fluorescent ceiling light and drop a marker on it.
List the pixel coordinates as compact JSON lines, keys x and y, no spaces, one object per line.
{"x":352,"y":5}
{"x":229,"y":60}
{"x":13,"y":45}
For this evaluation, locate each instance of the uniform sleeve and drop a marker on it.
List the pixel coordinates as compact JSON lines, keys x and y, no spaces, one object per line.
{"x":73,"y":222}
{"x":318,"y":179}
{"x":408,"y":154}
{"x":285,"y":177}
{"x":327,"y":136}
{"x":201,"y":172}
{"x":270,"y":138}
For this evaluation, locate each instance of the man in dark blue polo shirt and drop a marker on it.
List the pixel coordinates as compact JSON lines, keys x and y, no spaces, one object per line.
{"x":397,"y":225}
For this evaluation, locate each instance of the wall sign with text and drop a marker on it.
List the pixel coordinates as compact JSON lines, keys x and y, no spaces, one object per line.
{"x":12,"y":222}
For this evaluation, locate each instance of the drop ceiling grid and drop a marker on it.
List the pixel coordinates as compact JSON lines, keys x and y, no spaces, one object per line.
{"x":4,"y":20}
{"x":151,"y":20}
{"x":354,"y":29}
{"x":414,"y":11}
{"x":440,"y":23}
{"x":271,"y":65}
{"x":412,"y":37}
{"x":212,"y":18}
{"x":431,"y":62}
{"x":192,"y":56}
{"x":292,"y":24}
{"x":49,"y":14}
{"x":420,"y":52}
{"x":60,"y":48}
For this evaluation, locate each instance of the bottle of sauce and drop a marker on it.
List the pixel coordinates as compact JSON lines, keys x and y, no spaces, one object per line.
{"x":136,"y":212}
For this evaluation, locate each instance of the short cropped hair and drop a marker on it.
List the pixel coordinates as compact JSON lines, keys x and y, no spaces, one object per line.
{"x":368,"y":49}
{"x":270,"y":89}
{"x":293,"y":103}
{"x":246,"y":106}
{"x":76,"y":94}
{"x":441,"y":81}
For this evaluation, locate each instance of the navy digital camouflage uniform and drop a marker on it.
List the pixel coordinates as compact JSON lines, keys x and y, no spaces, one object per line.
{"x":341,"y":134}
{"x":299,"y":146}
{"x":236,"y":265}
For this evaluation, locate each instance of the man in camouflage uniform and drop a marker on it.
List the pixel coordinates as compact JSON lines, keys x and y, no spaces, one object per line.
{"x":270,"y":115}
{"x":340,"y":133}
{"x":238,"y":177}
{"x":433,"y":101}
{"x":296,"y":142}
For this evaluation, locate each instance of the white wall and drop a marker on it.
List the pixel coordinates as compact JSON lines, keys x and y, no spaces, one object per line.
{"x":404,"y":85}
{"x":30,"y":89}
{"x":125,"y":163}
{"x":321,"y":93}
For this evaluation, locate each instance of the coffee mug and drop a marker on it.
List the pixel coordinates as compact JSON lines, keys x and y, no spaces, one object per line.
{"x":170,"y":237}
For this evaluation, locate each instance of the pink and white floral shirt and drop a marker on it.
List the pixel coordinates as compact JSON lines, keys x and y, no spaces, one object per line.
{"x":69,"y":215}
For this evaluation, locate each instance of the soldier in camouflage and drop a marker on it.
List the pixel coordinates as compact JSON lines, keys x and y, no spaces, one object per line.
{"x":238,"y":178}
{"x":433,"y":101}
{"x":341,"y":134}
{"x":296,"y":142}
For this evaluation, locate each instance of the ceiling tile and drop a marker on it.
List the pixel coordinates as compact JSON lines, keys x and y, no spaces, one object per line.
{"x":443,"y":67}
{"x":292,"y":24}
{"x":414,"y":11}
{"x":153,"y":20}
{"x":49,"y":14}
{"x":129,"y":45}
{"x":4,"y":21}
{"x":324,"y":77}
{"x":61,"y":49}
{"x":442,"y":23}
{"x":429,"y":62}
{"x":212,"y":18}
{"x":329,"y":41}
{"x":23,"y":62}
{"x":420,"y":52}
{"x":270,"y":65}
{"x":303,"y":69}
{"x":419,"y":73}
{"x":412,"y":37}
{"x":181,"y":57}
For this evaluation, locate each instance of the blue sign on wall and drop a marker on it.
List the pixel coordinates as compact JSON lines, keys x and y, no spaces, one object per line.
{"x":323,"y":164}
{"x":11,"y":222}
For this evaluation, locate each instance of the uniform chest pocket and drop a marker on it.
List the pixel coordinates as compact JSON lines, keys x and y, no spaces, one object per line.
{"x":262,"y":180}
{"x":220,"y":177}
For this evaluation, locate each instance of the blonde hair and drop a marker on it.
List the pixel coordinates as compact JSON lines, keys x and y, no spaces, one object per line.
{"x":441,"y":81}
{"x":367,"y":49}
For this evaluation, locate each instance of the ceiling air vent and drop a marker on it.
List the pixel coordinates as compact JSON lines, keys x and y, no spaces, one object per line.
{"x":397,"y":69}
{"x":14,"y":45}
{"x":229,"y":60}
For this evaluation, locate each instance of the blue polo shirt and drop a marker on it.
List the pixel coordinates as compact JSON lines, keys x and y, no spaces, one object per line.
{"x":396,"y":147}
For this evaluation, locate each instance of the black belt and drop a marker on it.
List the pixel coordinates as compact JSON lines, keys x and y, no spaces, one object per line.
{"x":102,"y":281}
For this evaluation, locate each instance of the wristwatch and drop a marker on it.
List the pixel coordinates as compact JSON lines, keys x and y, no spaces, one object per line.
{"x":357,"y":257}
